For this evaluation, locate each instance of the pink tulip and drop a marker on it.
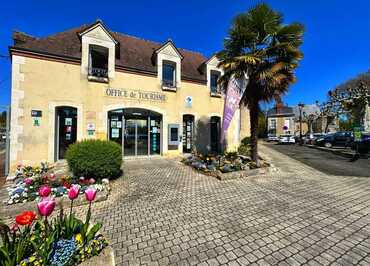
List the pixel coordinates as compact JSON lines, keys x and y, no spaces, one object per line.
{"x":92,"y":181}
{"x":44,"y":191}
{"x":73,"y":192}
{"x":28,"y":181}
{"x":90,"y":194}
{"x":14,"y":228}
{"x":46,"y":206}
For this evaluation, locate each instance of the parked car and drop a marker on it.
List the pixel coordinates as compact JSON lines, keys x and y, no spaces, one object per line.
{"x":364,"y":144}
{"x":271,"y":137}
{"x":315,"y":137}
{"x":286,"y":139}
{"x":342,"y":139}
{"x":309,"y":138}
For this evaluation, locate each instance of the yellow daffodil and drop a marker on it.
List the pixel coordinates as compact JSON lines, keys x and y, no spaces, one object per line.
{"x":79,"y":238}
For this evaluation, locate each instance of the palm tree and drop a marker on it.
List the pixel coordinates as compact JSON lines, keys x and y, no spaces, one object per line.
{"x":264,"y":48}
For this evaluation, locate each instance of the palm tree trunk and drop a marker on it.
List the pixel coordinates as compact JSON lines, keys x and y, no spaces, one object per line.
{"x":254,"y":111}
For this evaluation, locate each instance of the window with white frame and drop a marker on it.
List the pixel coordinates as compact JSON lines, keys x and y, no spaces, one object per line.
{"x":169,"y":74}
{"x":98,"y":61}
{"x":273,"y":124}
{"x":215,"y":75}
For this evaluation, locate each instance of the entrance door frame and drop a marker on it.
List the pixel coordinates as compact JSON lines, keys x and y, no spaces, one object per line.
{"x":163,"y":124}
{"x":51,"y":117}
{"x":184,"y":137}
{"x":57,"y":132}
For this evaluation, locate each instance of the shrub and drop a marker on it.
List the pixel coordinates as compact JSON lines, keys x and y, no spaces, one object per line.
{"x":95,"y":158}
{"x":246,"y":141}
{"x":244,"y":148}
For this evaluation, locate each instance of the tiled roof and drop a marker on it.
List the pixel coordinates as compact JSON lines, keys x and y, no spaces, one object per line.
{"x":134,"y":53}
{"x":281,"y":111}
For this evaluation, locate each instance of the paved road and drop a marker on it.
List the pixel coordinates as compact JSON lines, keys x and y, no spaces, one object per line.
{"x":323,"y":161}
{"x":165,"y":213}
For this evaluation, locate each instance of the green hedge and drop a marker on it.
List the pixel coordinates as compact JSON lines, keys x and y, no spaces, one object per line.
{"x":95,"y":158}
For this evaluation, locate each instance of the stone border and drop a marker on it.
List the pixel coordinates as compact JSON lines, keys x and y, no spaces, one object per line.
{"x":238,"y":174}
{"x":106,"y":258}
{"x":10,"y":211}
{"x":246,"y":173}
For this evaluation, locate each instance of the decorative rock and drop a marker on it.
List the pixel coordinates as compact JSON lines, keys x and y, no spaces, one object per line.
{"x":245,"y":158}
{"x":211,"y":167}
{"x":226,"y":168}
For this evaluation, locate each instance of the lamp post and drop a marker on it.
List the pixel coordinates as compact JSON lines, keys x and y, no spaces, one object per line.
{"x":300,"y":105}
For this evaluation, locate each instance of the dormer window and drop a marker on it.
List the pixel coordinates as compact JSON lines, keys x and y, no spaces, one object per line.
{"x":169,"y":74}
{"x":98,"y":61}
{"x":98,"y":53}
{"x":215,"y":75}
{"x":168,"y":60}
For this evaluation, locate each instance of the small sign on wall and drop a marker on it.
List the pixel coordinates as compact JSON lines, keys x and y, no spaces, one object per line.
{"x":36,"y":121}
{"x":90,"y":129}
{"x":188,"y":101}
{"x":36,"y":113}
{"x":36,"y":117}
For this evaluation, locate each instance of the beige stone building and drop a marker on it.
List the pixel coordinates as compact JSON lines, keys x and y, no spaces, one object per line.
{"x":93,"y":83}
{"x":280,"y":121}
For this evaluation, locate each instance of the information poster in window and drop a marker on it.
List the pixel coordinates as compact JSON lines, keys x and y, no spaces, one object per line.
{"x":115,"y":133}
{"x":68,"y":121}
{"x":119,"y":124}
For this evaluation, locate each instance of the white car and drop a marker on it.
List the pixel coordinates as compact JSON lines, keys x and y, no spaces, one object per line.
{"x":286,"y":139}
{"x":272,"y":138}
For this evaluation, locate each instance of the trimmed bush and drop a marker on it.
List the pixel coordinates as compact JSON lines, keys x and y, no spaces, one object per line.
{"x":244,"y":148}
{"x":95,"y":158}
{"x":246,"y":141}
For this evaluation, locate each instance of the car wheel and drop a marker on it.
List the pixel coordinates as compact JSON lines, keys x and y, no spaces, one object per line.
{"x":328,"y":145}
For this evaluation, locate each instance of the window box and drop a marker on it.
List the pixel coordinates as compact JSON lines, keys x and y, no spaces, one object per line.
{"x":98,"y":75}
{"x":98,"y":63}
{"x":168,"y":85}
{"x":216,"y":93}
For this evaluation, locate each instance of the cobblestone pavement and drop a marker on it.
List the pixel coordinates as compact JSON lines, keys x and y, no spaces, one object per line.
{"x":165,"y":213}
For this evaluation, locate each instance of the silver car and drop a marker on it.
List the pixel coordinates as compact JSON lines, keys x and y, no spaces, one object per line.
{"x":286,"y":139}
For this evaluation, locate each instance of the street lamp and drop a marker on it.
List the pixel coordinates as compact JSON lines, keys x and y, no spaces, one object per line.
{"x":300,"y":105}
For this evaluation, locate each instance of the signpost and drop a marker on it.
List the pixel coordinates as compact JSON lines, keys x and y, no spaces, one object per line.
{"x":357,"y":137}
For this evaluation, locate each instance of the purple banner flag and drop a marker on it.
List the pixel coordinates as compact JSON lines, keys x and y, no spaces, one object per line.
{"x":234,"y":92}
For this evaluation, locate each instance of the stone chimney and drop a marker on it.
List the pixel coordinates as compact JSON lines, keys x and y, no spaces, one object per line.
{"x":279,"y":104}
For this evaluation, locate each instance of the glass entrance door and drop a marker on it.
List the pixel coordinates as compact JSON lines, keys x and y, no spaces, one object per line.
{"x":138,"y":130}
{"x":130,"y":138}
{"x":136,"y":137}
{"x":141,"y":137}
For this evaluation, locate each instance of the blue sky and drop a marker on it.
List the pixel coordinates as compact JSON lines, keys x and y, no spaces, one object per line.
{"x":336,"y":43}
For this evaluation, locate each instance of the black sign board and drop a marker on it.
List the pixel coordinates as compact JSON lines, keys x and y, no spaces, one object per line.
{"x":36,"y":113}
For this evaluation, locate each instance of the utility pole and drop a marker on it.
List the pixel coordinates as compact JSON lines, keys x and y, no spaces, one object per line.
{"x":300,"y":105}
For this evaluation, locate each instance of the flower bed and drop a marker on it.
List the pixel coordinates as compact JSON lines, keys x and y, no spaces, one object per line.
{"x":221,"y":165}
{"x":63,"y":240}
{"x":32,"y":183}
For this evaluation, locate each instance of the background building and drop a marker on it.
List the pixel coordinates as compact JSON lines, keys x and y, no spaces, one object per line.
{"x":280,"y":120}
